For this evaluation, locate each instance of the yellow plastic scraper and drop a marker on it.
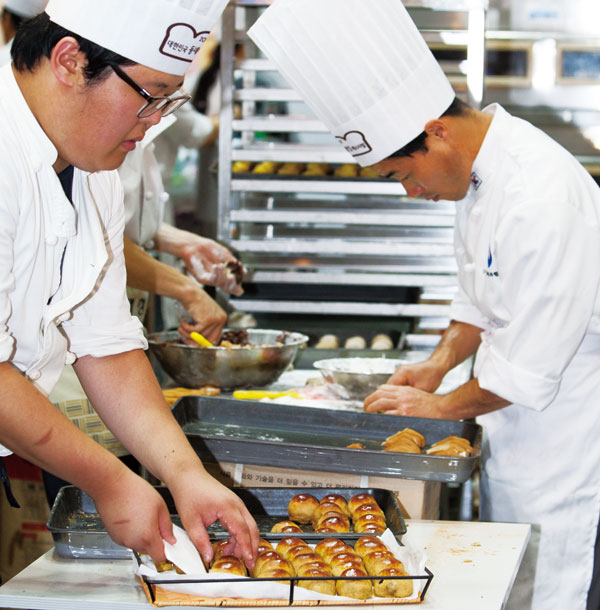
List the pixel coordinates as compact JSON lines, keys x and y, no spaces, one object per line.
{"x":200,"y":340}
{"x":258,"y":394}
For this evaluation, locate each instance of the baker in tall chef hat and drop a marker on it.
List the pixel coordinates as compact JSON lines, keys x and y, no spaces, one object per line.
{"x":362,"y":67}
{"x":527,"y":219}
{"x":88,"y":79}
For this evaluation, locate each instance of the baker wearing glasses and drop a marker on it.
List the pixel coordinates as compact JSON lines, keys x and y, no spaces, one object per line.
{"x":88,"y":79}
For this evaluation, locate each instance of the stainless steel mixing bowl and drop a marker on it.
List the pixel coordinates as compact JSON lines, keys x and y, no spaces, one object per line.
{"x":356,"y":378}
{"x":227,"y":368}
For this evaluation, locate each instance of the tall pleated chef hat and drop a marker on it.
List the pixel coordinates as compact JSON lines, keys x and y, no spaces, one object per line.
{"x":164,"y":35}
{"x":26,"y":8}
{"x":361,"y":66}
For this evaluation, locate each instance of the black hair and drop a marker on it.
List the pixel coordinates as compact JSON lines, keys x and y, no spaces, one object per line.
{"x":36,"y":38}
{"x":16,"y":20}
{"x":456,"y":108}
{"x":207,"y":81}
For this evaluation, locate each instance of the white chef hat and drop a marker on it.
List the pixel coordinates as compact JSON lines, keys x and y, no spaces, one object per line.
{"x":361,"y":66}
{"x":26,"y":8}
{"x":161,"y":34}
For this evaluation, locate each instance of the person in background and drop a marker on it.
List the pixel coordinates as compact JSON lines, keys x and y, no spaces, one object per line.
{"x":88,"y":79}
{"x":527,"y":244}
{"x":14,"y":12}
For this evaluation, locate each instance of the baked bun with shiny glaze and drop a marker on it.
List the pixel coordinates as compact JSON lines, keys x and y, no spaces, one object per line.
{"x":264,"y":545}
{"x":338,"y":500}
{"x":366,"y":544}
{"x":285,"y":544}
{"x":228,"y":564}
{"x":327,"y":543}
{"x":331,"y":521}
{"x":370,"y":523}
{"x":358,"y":499}
{"x":320,"y":586}
{"x":393,"y":588}
{"x":286,"y":527}
{"x":302,"y":507}
{"x":356,"y":589}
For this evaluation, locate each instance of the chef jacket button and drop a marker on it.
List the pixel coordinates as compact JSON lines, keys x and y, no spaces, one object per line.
{"x":70,"y":357}
{"x":164,"y":197}
{"x":149,"y":195}
{"x":34,"y":374}
{"x":51,"y":240}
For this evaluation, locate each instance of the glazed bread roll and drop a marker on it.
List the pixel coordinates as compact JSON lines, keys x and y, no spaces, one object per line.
{"x":277,"y":573}
{"x":271,"y":560}
{"x":368,"y":509}
{"x":377,"y":559}
{"x":372,"y":523}
{"x":356,"y":589}
{"x":320,"y":586}
{"x":338,"y":500}
{"x":302,"y":507}
{"x":358,"y":500}
{"x":286,"y":544}
{"x":262,"y":559}
{"x":291,"y":169}
{"x":163,"y":566}
{"x":219,"y":549}
{"x":393,"y":588}
{"x":264,"y":545}
{"x":241,"y":166}
{"x":366,"y":544}
{"x":326,"y":543}
{"x":368,"y":172}
{"x":297,"y":551}
{"x":286,"y":527}
{"x":228,"y":564}
{"x":344,"y":560}
{"x":346,"y":170}
{"x":333,"y":523}
{"x":332,"y":551}
{"x":266,"y":167}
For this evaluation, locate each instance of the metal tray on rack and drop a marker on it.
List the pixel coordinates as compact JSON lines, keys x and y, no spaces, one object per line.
{"x":78,"y":531}
{"x":307,"y":438}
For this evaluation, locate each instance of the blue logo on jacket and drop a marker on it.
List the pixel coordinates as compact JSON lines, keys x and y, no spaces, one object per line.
{"x":490,"y":260}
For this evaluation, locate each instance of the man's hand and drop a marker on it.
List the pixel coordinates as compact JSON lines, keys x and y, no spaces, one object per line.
{"x":403,"y":400}
{"x":424,"y":375}
{"x":134,"y":514}
{"x":201,"y":500}
{"x":208,"y":318}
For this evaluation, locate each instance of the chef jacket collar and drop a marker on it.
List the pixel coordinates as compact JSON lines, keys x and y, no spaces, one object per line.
{"x":486,"y":159}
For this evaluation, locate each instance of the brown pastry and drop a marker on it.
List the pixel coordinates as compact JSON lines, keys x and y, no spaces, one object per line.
{"x":370,"y":522}
{"x":327,"y":543}
{"x":291,"y":169}
{"x":358,"y":499}
{"x":163,"y":566}
{"x":264,"y":545}
{"x":346,"y":170}
{"x":338,"y":500}
{"x":406,"y":433}
{"x":453,"y":446}
{"x":285,"y":544}
{"x":277,"y":573}
{"x":393,"y":588}
{"x":366,"y":544}
{"x":320,"y":586}
{"x":344,"y":560}
{"x":219,"y":548}
{"x":356,"y":589}
{"x":330,"y":552}
{"x":302,"y":507}
{"x":228,"y":564}
{"x":262,"y":559}
{"x":368,"y":509}
{"x":286,"y":527}
{"x":335,"y":522}
{"x":355,"y":446}
{"x":403,"y":445}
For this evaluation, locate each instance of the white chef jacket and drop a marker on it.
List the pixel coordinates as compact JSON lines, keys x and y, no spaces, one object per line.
{"x":527,"y":243}
{"x":49,"y":318}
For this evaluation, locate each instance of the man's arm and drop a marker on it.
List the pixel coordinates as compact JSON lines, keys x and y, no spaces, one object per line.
{"x":146,"y":273}
{"x":126,"y":394}
{"x":133,"y":513}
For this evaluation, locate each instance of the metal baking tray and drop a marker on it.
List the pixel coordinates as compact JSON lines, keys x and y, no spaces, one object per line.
{"x":308,"y":438}
{"x":78,"y":531}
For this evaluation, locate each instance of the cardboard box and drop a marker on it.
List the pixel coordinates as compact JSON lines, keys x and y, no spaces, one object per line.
{"x":417,"y":499}
{"x":23,"y":533}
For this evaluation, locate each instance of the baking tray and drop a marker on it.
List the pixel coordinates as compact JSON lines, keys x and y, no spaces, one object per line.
{"x":308,"y":438}
{"x":78,"y":531}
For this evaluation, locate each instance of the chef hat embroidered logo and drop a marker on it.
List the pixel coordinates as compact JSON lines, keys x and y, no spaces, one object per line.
{"x":164,"y":35}
{"x":355,"y":143}
{"x":182,"y":42}
{"x":362,"y":67}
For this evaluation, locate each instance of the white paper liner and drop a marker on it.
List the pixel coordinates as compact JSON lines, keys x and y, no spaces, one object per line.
{"x":413,"y":559}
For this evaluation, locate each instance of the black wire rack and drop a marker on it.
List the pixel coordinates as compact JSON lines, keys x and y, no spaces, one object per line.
{"x":293,"y":580}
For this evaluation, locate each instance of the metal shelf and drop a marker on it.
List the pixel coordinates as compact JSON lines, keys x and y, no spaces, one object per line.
{"x":293,"y":153}
{"x":367,"y":218}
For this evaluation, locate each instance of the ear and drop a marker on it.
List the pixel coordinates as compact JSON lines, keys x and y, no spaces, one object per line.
{"x":67,"y":62}
{"x":437,"y":128}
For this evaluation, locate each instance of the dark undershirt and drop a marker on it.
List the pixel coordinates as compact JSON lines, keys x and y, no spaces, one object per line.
{"x":66,"y":181}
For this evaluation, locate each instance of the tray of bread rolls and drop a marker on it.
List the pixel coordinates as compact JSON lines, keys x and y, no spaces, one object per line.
{"x":274,"y":170}
{"x":329,"y":440}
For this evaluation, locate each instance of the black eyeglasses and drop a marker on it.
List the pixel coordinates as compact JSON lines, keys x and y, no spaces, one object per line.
{"x":165,"y":105}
